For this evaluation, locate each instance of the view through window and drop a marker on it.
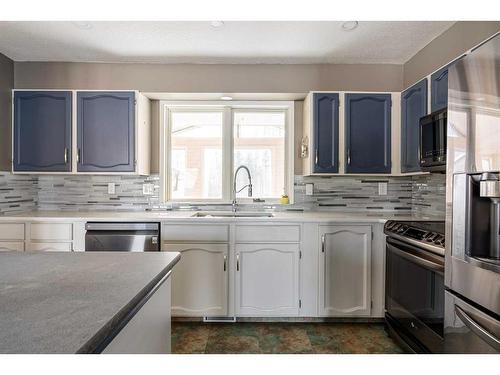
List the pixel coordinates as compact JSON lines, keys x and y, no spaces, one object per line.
{"x":259,"y":144}
{"x":196,"y":155}
{"x":202,"y":143}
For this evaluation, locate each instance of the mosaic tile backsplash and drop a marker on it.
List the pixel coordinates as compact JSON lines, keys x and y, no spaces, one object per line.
{"x":429,"y":194}
{"x":354,"y":194}
{"x":423,"y":194}
{"x":73,"y":193}
{"x":18,"y":193}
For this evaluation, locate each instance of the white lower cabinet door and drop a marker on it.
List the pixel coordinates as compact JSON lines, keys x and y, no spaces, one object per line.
{"x":200,"y":280}
{"x":267,"y":280}
{"x":344,"y":274}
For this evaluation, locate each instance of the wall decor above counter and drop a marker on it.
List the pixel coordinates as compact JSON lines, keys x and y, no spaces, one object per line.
{"x":70,"y":131}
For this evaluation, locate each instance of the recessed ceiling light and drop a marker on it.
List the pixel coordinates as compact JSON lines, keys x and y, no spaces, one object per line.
{"x":350,"y":25}
{"x":84,"y":25}
{"x":217,"y":24}
{"x":226,"y":98}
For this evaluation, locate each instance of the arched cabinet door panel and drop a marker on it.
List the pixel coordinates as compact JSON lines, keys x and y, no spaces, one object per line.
{"x":326,"y":132}
{"x":439,"y":89}
{"x":368,"y":133}
{"x":42,"y":131}
{"x":267,"y":279}
{"x":200,"y":280}
{"x":106,"y":131}
{"x":413,"y":107}
{"x":345,"y":270}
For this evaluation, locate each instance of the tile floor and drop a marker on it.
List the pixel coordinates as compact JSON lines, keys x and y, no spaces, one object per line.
{"x":244,"y":337}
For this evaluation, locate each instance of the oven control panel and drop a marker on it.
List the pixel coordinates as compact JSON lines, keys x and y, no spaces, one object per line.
{"x":428,"y":233}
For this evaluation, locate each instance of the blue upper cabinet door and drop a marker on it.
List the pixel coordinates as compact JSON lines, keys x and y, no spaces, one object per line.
{"x":106,"y":138}
{"x":326,"y":132}
{"x":439,"y":89}
{"x":42,"y":131}
{"x":413,"y":107}
{"x":368,"y":133}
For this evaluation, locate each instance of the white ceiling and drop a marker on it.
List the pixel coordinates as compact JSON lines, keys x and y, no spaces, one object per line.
{"x":235,"y":42}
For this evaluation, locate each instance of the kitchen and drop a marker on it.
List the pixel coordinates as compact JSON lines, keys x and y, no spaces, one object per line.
{"x":216,"y":203}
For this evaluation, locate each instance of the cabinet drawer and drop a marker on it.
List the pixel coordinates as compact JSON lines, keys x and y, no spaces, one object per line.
{"x":11,"y":246}
{"x":49,"y":246}
{"x":12,"y":231}
{"x":194,"y":233}
{"x":268,"y":233}
{"x":51,"y":232}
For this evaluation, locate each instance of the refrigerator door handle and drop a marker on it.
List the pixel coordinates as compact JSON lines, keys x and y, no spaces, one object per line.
{"x":477,"y":329}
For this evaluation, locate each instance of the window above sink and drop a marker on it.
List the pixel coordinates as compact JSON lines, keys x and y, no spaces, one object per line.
{"x":202,"y":143}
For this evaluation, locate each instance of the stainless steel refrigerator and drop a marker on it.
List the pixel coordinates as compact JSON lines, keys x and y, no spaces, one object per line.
{"x":472,"y":258}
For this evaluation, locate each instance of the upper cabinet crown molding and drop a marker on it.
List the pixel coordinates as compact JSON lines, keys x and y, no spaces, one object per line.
{"x":84,"y":131}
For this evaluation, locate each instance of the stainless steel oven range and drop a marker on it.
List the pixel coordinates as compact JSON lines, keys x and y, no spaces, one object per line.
{"x":414,"y":290}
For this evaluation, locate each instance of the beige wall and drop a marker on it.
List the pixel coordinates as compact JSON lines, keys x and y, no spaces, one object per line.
{"x":6,"y":85}
{"x":458,"y":39}
{"x":198,"y":78}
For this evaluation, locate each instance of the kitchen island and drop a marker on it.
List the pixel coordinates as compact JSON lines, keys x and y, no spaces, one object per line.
{"x":85,"y":302}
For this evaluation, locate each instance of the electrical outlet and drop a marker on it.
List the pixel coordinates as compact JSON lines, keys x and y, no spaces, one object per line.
{"x":111,"y":188}
{"x":309,"y":189}
{"x":148,"y":189}
{"x":382,"y":188}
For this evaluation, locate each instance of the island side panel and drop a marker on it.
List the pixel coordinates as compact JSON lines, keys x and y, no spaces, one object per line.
{"x":149,"y":330}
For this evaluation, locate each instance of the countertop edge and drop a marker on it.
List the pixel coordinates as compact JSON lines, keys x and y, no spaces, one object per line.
{"x":183,"y":217}
{"x":102,"y":337}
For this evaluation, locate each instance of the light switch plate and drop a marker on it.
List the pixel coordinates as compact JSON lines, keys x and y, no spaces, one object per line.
{"x":310,"y":189}
{"x":148,"y":189}
{"x":111,"y":188}
{"x":382,"y":188}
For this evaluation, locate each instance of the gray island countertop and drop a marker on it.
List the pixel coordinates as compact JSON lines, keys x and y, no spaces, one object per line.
{"x":72,"y":302}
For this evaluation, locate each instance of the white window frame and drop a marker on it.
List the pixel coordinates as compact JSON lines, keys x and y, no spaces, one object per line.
{"x":166,"y":109}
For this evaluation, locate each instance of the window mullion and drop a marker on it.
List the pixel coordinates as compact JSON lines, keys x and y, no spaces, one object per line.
{"x":227,"y":154}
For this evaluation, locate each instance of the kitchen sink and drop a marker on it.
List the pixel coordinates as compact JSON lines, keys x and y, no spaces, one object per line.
{"x":233,"y":214}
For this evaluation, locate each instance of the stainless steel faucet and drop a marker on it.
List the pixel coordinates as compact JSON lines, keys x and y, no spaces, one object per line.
{"x":249,"y":185}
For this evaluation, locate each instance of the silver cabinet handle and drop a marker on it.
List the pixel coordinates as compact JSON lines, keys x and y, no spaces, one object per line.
{"x":78,"y":156}
{"x":237,"y":262}
{"x":323,"y":243}
{"x":349,"y":156}
{"x":65,"y":155}
{"x":316,"y":161}
{"x":477,"y":329}
{"x":225,"y":260}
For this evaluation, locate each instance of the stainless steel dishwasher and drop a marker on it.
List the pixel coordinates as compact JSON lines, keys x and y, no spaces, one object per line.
{"x":105,"y":236}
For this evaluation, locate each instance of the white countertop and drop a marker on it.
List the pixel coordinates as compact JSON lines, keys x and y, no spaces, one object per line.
{"x":291,"y":216}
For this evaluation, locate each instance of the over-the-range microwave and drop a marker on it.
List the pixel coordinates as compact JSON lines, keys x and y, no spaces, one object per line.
{"x":433,"y":141}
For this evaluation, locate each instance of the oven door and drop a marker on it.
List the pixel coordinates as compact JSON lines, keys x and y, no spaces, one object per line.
{"x":415,"y":293}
